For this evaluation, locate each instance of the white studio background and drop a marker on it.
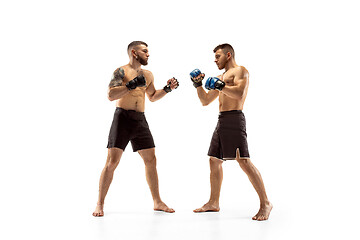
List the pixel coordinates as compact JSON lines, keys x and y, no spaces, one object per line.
{"x":57,"y":58}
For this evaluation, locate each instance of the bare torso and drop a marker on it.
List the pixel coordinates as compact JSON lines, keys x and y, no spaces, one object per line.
{"x":135,"y":100}
{"x":239,"y":74}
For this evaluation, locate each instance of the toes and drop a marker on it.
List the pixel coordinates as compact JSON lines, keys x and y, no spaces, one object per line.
{"x":98,"y":214}
{"x":198,"y":210}
{"x":164,"y":209}
{"x":261,"y":218}
{"x":169,"y":210}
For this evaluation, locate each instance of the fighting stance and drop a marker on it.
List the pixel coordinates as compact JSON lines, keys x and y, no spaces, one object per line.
{"x":229,"y":140}
{"x":128,"y":87}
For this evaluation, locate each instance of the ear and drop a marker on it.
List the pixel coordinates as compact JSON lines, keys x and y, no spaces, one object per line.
{"x":228,"y":55}
{"x":133,"y":53}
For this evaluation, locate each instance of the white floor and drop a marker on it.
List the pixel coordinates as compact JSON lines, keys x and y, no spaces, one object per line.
{"x":142,"y":223}
{"x":58,"y":203}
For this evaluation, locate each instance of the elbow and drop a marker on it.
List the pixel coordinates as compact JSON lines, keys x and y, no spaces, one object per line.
{"x":110,"y":96}
{"x":152,"y":98}
{"x":204,"y":103}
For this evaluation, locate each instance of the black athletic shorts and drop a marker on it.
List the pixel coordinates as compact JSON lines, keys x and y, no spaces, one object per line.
{"x":229,"y":134}
{"x":129,"y":125}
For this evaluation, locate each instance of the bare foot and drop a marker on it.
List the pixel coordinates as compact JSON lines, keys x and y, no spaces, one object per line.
{"x":263,"y":213}
{"x":99,"y":211}
{"x":162,"y":207}
{"x":208,"y":208}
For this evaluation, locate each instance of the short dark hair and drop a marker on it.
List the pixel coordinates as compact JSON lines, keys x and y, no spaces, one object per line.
{"x":225,"y":47}
{"x":136,"y":43}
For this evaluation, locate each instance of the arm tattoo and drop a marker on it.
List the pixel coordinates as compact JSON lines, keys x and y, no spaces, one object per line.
{"x":117,"y":78}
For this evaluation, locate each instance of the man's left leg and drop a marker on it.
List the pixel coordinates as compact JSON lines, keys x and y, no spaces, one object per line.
{"x":256,"y":180}
{"x":148,"y":155}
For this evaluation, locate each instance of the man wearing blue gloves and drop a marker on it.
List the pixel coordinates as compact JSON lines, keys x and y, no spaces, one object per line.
{"x":229,"y":140}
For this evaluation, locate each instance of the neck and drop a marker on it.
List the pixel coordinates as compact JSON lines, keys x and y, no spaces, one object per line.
{"x":230,"y":64}
{"x":135,"y":64}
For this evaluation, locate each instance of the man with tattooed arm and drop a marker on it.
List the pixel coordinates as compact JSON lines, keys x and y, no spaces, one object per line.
{"x":128,"y":87}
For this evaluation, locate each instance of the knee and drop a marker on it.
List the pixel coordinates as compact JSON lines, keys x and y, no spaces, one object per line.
{"x":150,"y":161}
{"x":215,"y":163}
{"x":244,"y":163}
{"x":112,"y":163}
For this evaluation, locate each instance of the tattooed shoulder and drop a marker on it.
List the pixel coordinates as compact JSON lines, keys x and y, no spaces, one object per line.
{"x":117,"y":78}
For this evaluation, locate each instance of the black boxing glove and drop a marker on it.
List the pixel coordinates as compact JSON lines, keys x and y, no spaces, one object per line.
{"x":167,"y":88}
{"x":139,"y":81}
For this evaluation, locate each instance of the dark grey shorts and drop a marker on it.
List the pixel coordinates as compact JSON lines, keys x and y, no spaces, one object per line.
{"x":129,"y":125}
{"x":229,"y":134}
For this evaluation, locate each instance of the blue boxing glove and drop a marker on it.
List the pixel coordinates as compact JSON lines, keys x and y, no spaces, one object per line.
{"x":197,"y":77}
{"x":214,"y":83}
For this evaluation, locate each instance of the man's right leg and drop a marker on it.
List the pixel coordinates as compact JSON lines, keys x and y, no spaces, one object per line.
{"x":113,"y":159}
{"x":216,"y":177}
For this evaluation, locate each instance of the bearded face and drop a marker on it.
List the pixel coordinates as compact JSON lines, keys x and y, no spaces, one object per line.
{"x":143,"y":61}
{"x":142,"y":54}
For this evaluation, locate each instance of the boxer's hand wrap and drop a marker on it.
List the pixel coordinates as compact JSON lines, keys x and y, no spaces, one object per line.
{"x":197,"y":77}
{"x":214,"y":83}
{"x":167,"y":88}
{"x":139,"y":81}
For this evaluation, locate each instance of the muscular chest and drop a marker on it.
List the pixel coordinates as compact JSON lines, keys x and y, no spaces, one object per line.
{"x":130,"y":75}
{"x":228,"y":79}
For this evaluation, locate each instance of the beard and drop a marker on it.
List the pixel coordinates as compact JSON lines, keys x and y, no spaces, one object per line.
{"x":221,"y":66}
{"x":142,"y":61}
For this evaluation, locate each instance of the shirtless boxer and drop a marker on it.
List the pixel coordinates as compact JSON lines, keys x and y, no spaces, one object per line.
{"x":229,"y":139}
{"x":128,"y":87}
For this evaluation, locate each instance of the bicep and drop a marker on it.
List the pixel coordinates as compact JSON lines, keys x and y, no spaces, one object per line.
{"x":212,"y":95}
{"x":241,"y":80}
{"x":240,"y":83}
{"x":150,"y":89}
{"x":117,"y":78}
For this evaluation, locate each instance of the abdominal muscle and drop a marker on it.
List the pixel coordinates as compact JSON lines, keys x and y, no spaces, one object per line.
{"x":134,"y":100}
{"x":227,"y":103}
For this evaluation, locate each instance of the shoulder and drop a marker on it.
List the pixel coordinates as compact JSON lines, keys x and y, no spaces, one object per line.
{"x":244,"y":71}
{"x":125,"y":67}
{"x":147,"y":74}
{"x":241,"y":72}
{"x":120,"y":70}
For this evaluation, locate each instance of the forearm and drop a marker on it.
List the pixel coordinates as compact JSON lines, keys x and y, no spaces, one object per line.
{"x":158,"y":94}
{"x":203,"y":96}
{"x":116,"y":93}
{"x":233,"y":92}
